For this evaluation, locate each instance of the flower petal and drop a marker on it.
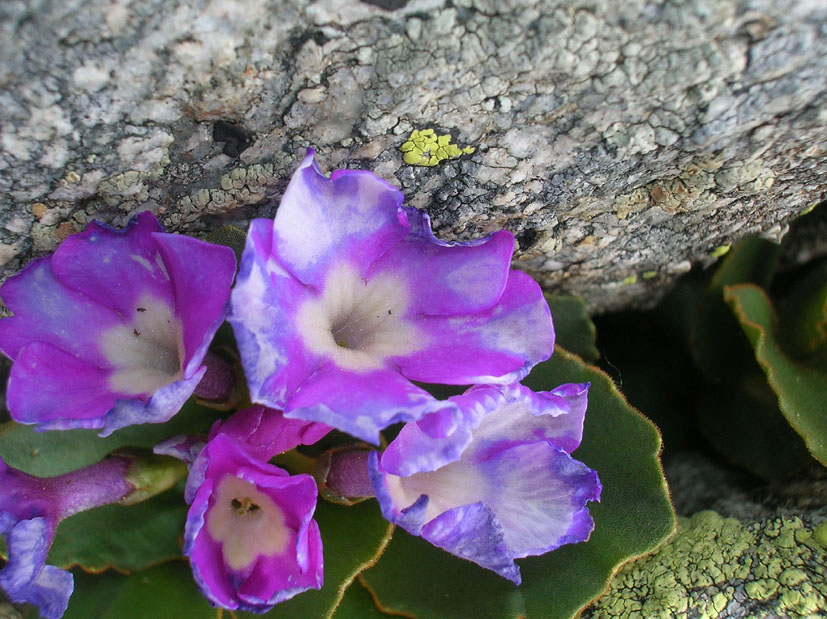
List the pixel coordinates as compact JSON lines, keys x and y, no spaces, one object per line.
{"x":353,"y":216}
{"x":266,"y":432}
{"x":160,"y":407}
{"x":503,"y":416}
{"x":539,"y":495}
{"x":116,"y":268}
{"x":47,"y":311}
{"x":205,"y":556}
{"x":201,"y":274}
{"x":264,"y":300}
{"x":360,"y":403}
{"x":75,"y":395}
{"x":26,"y":578}
{"x":448,"y":279}
{"x":491,"y":418}
{"x":498,"y":345}
{"x":472,"y":532}
{"x":250,"y":533}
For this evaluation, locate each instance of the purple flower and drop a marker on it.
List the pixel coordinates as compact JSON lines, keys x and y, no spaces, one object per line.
{"x":347,"y":296}
{"x":111,"y":330}
{"x":493,"y":482}
{"x":250,"y":533}
{"x":30,"y":509}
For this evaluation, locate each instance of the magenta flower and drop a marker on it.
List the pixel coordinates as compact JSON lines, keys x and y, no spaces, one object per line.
{"x":250,"y":533}
{"x":265,"y":432}
{"x":347,"y":297}
{"x":262,"y":432}
{"x":30,"y":509}
{"x":111,"y":330}
{"x":495,"y":481}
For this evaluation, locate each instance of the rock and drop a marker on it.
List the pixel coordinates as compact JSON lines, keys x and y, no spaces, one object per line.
{"x":743,"y":548}
{"x":718,"y":567}
{"x":622,"y":142}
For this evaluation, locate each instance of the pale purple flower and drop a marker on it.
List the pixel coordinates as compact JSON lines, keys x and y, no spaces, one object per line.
{"x":30,"y":509}
{"x":250,"y":534}
{"x":111,"y":329}
{"x":493,"y":481}
{"x":347,"y":297}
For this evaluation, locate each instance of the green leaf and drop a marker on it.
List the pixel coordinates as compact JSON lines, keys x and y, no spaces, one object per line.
{"x":634,"y":517}
{"x":165,"y":591}
{"x":803,"y":314}
{"x":800,"y":388}
{"x":574,"y":330}
{"x":123,"y":537}
{"x":46,"y":454}
{"x":358,"y":603}
{"x":417,"y":579}
{"x":120,"y":537}
{"x":742,"y":421}
{"x":716,"y":342}
{"x":353,"y":538}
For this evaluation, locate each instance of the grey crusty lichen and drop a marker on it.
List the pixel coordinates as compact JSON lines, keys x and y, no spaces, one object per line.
{"x":715,"y":567}
{"x":620,"y":141}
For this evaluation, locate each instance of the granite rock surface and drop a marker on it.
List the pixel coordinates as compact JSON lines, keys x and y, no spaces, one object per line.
{"x":621,"y":141}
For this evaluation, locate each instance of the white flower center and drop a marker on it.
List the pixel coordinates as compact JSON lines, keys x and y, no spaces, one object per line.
{"x":359,"y":323}
{"x":147,"y":353}
{"x":246,"y":522}
{"x":455,"y":484}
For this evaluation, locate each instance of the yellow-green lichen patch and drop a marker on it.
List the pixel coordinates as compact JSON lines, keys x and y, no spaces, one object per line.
{"x":426,"y":148}
{"x":767,"y":569}
{"x":629,"y":280}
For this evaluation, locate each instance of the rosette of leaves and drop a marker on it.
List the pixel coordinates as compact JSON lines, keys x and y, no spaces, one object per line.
{"x":127,"y":559}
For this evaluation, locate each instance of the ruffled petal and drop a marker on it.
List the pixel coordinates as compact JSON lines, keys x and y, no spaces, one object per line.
{"x":360,"y":403}
{"x":449,"y":279}
{"x":495,"y":481}
{"x":472,"y":532}
{"x":352,"y":216}
{"x":503,"y":416}
{"x":264,"y":300}
{"x":539,"y":494}
{"x":414,"y":450}
{"x":116,"y":268}
{"x":498,"y":345}
{"x":493,"y":418}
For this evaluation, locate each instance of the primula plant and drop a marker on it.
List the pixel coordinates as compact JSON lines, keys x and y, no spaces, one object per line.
{"x":348,"y":318}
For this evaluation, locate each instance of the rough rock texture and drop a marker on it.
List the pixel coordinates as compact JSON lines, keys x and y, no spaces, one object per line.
{"x":621,"y":141}
{"x":762,"y":552}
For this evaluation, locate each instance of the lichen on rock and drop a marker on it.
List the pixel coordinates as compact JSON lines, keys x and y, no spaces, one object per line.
{"x":716,"y":567}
